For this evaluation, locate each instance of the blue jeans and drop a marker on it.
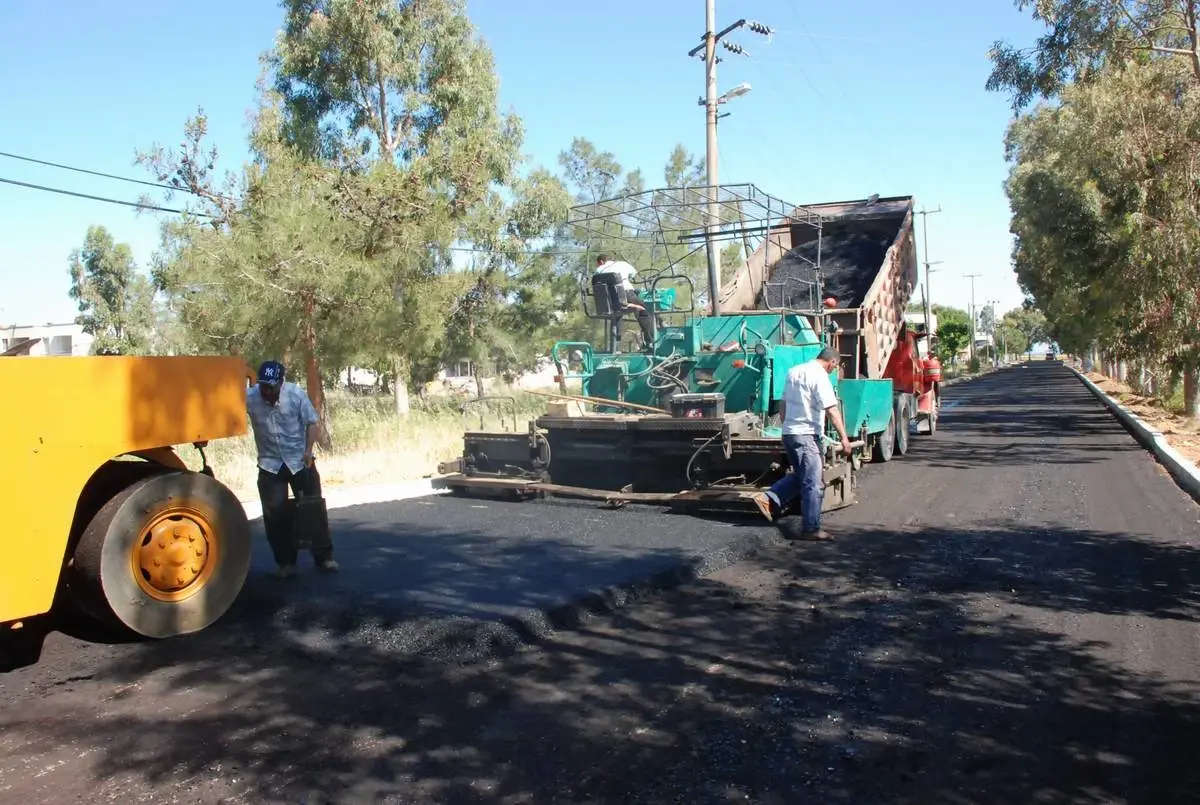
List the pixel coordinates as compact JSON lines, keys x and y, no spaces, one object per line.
{"x":805,"y":479}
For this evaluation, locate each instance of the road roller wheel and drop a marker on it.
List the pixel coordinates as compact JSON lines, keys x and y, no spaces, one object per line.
{"x":167,"y":555}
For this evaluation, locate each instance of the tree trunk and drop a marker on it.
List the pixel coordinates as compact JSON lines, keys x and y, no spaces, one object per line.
{"x":400,"y":387}
{"x":478,"y":379}
{"x":316,"y":390}
{"x":1191,"y":400}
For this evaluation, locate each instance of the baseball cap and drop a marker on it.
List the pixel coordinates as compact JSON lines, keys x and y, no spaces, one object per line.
{"x":270,"y":373}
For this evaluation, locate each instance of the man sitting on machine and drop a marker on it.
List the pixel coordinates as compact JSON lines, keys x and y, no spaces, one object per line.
{"x":613,"y":277}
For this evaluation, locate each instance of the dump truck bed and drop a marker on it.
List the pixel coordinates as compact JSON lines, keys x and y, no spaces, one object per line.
{"x":854,"y":240}
{"x":868,"y":264}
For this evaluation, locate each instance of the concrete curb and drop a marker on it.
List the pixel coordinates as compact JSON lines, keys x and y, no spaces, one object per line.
{"x":345,"y":497}
{"x":1183,"y":471}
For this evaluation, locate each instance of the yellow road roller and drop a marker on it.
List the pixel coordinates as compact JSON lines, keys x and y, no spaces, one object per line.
{"x":100,"y":513}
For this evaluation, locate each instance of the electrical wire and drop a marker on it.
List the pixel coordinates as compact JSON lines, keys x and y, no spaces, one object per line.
{"x":91,"y":172}
{"x":136,"y":204}
{"x":140,"y":206}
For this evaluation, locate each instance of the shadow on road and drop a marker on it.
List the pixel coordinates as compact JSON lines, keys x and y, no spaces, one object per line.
{"x":915,"y":667}
{"x":459,"y":578}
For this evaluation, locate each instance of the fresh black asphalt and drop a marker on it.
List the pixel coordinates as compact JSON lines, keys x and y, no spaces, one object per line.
{"x":1008,"y":616}
{"x":462,"y":574}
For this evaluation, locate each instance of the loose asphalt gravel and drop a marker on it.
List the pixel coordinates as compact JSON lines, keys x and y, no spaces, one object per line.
{"x":1007,"y":616}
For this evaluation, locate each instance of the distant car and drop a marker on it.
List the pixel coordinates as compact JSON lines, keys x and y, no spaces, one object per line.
{"x":1051,"y":355}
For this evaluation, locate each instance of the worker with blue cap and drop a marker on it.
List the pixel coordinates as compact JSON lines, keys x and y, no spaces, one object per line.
{"x":286,"y":427}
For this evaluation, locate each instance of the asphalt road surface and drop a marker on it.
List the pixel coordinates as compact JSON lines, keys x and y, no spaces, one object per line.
{"x":1008,"y":616}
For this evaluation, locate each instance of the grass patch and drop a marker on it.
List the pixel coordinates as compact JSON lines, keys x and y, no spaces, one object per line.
{"x":371,"y":445}
{"x":1174,"y":402}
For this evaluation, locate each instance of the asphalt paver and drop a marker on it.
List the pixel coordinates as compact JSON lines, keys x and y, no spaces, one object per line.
{"x":1008,"y":615}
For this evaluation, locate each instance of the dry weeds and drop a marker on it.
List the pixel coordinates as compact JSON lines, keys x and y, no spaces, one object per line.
{"x":370,"y":444}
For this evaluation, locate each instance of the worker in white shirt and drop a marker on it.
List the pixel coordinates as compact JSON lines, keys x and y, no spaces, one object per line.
{"x":808,"y":398}
{"x":628,"y":296}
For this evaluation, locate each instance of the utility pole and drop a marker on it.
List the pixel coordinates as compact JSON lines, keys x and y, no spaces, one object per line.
{"x":928,"y":293}
{"x":710,"y":101}
{"x":972,"y":278}
{"x":994,"y":325}
{"x":710,"y":151}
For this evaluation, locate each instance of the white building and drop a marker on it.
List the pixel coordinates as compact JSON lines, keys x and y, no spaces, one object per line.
{"x":40,"y":340}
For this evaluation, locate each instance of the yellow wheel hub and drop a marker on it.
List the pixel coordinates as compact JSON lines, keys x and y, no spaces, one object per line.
{"x":175,"y":555}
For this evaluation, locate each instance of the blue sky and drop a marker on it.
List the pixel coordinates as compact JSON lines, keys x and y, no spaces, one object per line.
{"x":848,"y":99}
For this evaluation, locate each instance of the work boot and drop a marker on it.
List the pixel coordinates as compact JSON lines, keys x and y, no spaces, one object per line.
{"x":820,"y":535}
{"x":329,"y":566}
{"x":766,"y":505}
{"x":285,"y":571}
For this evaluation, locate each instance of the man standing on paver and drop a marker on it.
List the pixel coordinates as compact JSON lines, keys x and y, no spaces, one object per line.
{"x":286,"y":427}
{"x":808,"y":397}
{"x":622,"y":273}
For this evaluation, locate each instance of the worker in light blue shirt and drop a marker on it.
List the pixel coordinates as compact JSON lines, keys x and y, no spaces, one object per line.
{"x":286,"y":427}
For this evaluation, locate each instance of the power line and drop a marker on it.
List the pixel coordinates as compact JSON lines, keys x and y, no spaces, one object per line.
{"x":102,"y":198}
{"x":535,"y":252}
{"x":86,"y":170}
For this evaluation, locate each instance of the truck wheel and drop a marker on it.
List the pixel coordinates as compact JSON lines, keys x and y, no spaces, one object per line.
{"x":885,"y":443}
{"x":165,"y":556}
{"x":901,"y":419}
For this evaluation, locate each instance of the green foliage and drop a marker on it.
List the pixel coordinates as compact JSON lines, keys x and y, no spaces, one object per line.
{"x":595,"y":175}
{"x":951,"y":339}
{"x":1106,"y":209}
{"x":951,"y":315}
{"x":115,"y":301}
{"x":1022,"y":328}
{"x":1085,"y":38}
{"x":373,"y":154}
{"x":380,"y":159}
{"x":1105,"y":216}
{"x":504,"y":318}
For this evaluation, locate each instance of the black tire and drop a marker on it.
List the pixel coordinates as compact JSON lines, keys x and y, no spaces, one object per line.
{"x":885,"y":443}
{"x":901,"y":418}
{"x":111,"y":478}
{"x":200,"y":539}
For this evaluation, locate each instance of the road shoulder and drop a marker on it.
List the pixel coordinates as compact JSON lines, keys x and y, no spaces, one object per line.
{"x":1181,"y":469}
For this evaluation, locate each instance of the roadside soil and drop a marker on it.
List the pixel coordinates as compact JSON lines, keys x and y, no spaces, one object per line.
{"x":1180,"y":432}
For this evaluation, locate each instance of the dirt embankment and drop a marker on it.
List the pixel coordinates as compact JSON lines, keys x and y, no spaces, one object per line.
{"x":1180,"y":432}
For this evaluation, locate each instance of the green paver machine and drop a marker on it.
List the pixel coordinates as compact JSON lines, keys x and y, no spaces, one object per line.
{"x":690,"y":419}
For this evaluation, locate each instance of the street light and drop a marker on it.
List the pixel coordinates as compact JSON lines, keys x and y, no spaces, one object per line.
{"x":736,"y":92}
